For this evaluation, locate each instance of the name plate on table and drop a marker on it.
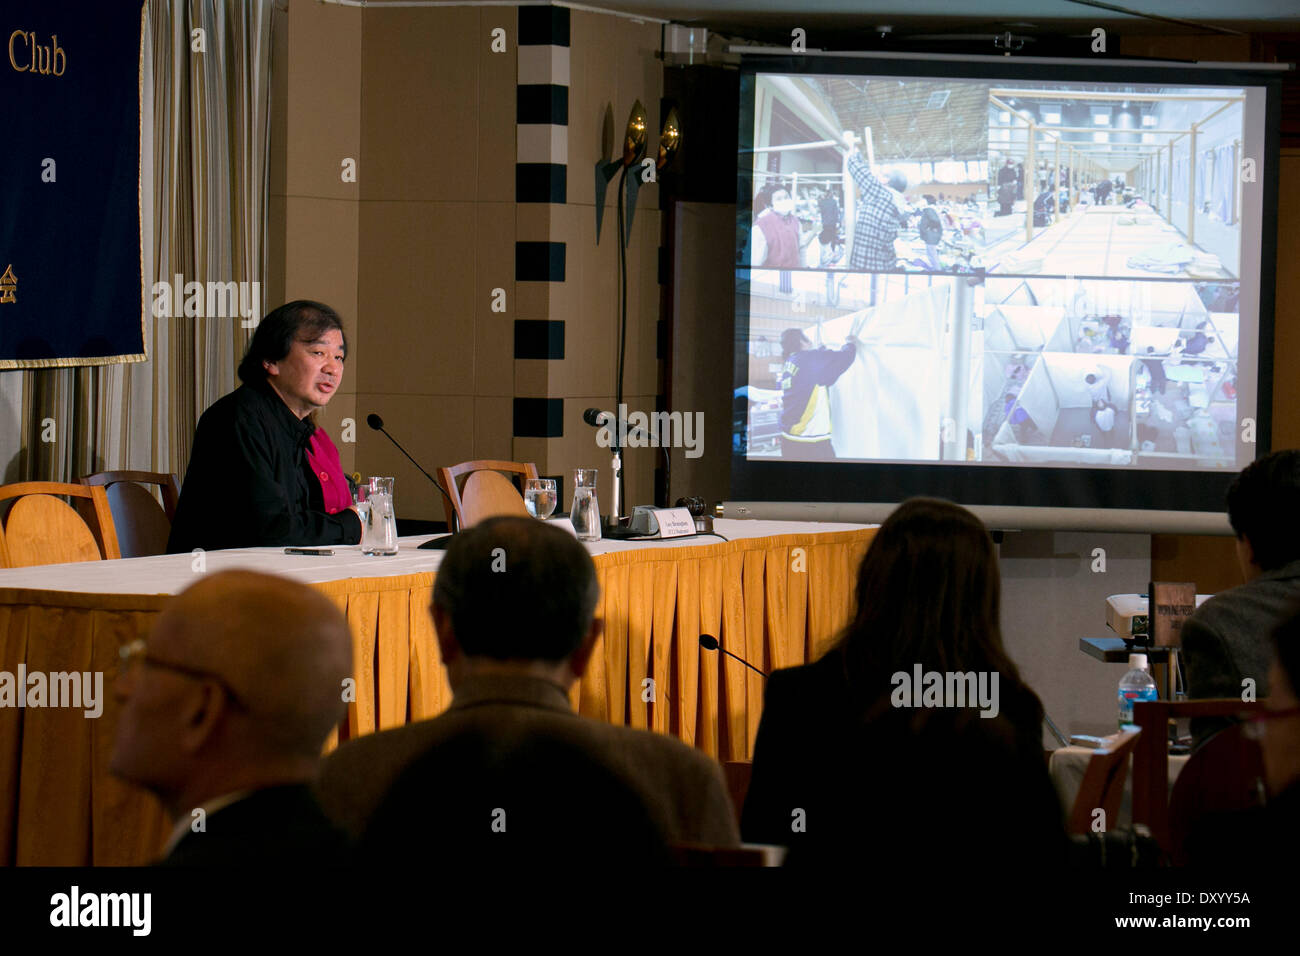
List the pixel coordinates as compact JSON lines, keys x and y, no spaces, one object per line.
{"x":564,"y":524}
{"x":1170,"y":604}
{"x":663,"y":522}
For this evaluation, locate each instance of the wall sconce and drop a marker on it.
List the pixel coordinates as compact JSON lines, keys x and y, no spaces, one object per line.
{"x":634,"y":149}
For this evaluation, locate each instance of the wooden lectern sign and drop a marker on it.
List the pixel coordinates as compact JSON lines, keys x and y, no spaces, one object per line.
{"x":1169,"y":604}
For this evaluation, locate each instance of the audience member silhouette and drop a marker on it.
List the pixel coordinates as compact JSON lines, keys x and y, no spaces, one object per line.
{"x":225,"y":709}
{"x":844,"y":769}
{"x":514,"y":607}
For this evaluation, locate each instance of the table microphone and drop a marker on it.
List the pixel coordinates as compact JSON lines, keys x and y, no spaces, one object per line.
{"x":710,"y":643}
{"x":377,"y":423}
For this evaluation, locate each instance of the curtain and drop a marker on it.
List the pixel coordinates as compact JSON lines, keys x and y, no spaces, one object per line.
{"x":205,"y":131}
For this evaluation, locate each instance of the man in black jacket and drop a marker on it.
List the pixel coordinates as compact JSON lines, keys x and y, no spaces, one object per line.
{"x":249,"y":483}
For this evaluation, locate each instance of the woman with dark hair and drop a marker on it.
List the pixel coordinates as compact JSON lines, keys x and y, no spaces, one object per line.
{"x":261,"y":473}
{"x":914,"y":735}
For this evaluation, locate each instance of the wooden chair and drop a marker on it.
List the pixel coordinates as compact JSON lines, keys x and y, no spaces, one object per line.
{"x":1151,"y":760}
{"x":142,"y":525}
{"x":1225,"y":773}
{"x":1103,"y":784}
{"x":41,"y":529}
{"x":478,"y":490}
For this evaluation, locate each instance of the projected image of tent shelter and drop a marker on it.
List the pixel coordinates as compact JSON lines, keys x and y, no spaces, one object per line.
{"x":930,"y":132}
{"x":1058,"y":426}
{"x":1120,"y":181}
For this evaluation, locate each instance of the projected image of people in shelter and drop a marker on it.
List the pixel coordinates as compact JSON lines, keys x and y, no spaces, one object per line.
{"x":846,"y":366}
{"x":862,"y":366}
{"x":1094,"y":372}
{"x":870,"y":174}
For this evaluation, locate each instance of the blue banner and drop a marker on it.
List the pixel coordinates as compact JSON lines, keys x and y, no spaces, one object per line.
{"x":71,"y":290}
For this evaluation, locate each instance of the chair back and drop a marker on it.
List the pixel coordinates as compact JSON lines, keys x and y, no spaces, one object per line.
{"x":1225,"y":773}
{"x":1151,"y":758}
{"x":41,"y":529}
{"x":467,"y":504}
{"x":1102,"y":786}
{"x":142,"y":525}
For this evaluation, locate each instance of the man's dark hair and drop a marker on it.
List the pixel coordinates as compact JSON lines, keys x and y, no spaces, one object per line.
{"x":793,"y":340}
{"x":1264,"y":508}
{"x":517,"y":590}
{"x":301,"y":319}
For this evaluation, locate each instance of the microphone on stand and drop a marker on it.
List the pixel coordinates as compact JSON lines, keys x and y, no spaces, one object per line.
{"x":436,"y":544}
{"x":710,"y":643}
{"x":602,"y":419}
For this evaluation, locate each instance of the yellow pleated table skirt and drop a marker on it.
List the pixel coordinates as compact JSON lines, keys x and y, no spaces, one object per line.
{"x":775,"y":601}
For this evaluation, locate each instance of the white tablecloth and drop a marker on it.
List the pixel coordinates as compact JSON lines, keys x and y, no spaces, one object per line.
{"x":1068,"y":765}
{"x":172,"y":573}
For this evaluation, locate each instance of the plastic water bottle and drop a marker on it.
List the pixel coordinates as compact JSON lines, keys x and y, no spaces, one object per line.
{"x":1135,"y":685}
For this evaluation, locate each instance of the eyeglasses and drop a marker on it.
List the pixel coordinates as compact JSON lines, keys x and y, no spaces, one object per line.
{"x":138,"y":650}
{"x":1256,"y":724}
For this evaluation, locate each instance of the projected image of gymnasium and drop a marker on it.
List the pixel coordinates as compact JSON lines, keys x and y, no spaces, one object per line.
{"x":1107,"y":180}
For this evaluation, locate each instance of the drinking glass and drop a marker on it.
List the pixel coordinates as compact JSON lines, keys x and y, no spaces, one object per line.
{"x":539,"y":497}
{"x":585,"y":511}
{"x":379,"y":530}
{"x":363,"y":506}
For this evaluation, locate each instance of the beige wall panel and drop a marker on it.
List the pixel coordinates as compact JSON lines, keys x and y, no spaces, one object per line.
{"x":593,"y":72}
{"x":588,"y":303}
{"x":276,"y":248}
{"x":323,"y":99}
{"x":436,"y":430}
{"x":420,"y":104}
{"x":416,"y":287}
{"x":497,"y":74}
{"x":494,"y":268}
{"x":532,"y":377}
{"x":493,"y":427}
{"x":534,"y":450}
{"x":321,"y":264}
{"x":643,"y":291}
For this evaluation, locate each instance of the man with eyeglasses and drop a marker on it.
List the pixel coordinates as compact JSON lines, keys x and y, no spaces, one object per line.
{"x":224,"y":711}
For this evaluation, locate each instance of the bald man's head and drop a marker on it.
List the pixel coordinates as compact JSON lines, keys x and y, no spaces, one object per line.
{"x":242,"y":674}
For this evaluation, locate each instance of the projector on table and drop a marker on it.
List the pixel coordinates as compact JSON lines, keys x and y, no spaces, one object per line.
{"x":1126,"y":614}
